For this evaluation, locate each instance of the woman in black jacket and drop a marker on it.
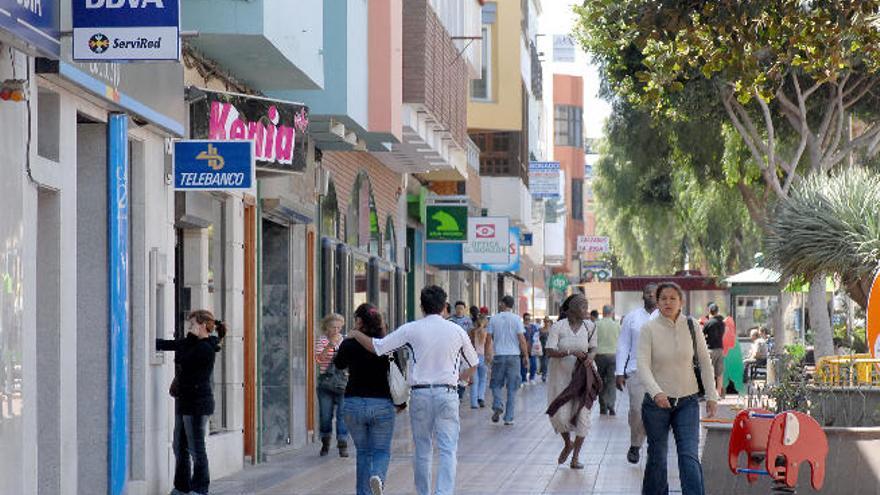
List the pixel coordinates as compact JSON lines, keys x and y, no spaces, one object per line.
{"x":194,"y":404}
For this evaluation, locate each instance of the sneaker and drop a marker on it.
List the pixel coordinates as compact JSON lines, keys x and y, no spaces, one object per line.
{"x":376,"y":485}
{"x":475,"y":407}
{"x":612,"y":412}
{"x":496,"y":415}
{"x":508,"y":423}
{"x":481,"y":402}
{"x":633,"y":455}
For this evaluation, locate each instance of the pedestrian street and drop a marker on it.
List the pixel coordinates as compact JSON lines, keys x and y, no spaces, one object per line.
{"x":492,"y":459}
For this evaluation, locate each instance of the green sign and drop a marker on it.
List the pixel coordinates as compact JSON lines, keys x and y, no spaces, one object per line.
{"x":558,"y":282}
{"x":447,"y":223}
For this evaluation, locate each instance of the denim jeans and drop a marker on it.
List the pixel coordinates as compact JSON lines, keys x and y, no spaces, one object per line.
{"x":684,"y":419}
{"x":434,"y":413}
{"x":505,"y":371}
{"x":478,"y":387}
{"x":191,"y":468}
{"x":533,"y":367}
{"x":371,"y":421}
{"x":327,"y":401}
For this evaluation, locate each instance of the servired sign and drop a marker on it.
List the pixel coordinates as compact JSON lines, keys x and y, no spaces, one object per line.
{"x":488,"y":241}
{"x":126,"y":30}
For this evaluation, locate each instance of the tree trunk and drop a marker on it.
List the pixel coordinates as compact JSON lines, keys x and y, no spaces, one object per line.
{"x":820,"y":321}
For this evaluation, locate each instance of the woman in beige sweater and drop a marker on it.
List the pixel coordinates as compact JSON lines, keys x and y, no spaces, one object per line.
{"x":665,"y":363}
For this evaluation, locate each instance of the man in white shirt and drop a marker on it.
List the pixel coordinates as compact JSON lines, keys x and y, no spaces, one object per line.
{"x":438,"y":348}
{"x":627,"y":348}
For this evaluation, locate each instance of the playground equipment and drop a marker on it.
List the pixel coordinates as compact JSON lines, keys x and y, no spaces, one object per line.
{"x":781,"y":442}
{"x":848,"y":370}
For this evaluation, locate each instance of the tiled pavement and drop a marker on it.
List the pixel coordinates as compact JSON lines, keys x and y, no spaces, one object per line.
{"x":492,"y":459}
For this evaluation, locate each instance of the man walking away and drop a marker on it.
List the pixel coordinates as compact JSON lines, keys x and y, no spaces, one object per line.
{"x":714,"y":333}
{"x":627,"y":372}
{"x":438,"y":347}
{"x":527,"y":373}
{"x":608,"y":331}
{"x":508,"y":341}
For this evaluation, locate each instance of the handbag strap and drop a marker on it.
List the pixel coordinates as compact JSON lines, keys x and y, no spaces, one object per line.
{"x":693,"y":341}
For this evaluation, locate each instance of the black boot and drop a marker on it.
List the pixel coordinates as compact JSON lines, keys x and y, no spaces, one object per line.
{"x":325,"y":446}
{"x":343,"y":448}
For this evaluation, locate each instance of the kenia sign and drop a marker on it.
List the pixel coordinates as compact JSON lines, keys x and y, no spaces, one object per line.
{"x":277,"y":128}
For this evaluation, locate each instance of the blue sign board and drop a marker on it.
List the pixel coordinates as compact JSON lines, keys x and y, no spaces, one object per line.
{"x":513,"y":266}
{"x":213,"y":165}
{"x":527,"y":239}
{"x":123,"y":30}
{"x":34,"y":22}
{"x":545,"y":180}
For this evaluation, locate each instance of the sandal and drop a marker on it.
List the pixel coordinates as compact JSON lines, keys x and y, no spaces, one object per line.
{"x":566,"y":451}
{"x":575,"y":464}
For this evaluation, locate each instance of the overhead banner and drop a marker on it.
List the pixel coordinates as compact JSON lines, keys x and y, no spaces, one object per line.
{"x":447,"y":223}
{"x":33,"y":22}
{"x":213,"y":165}
{"x":126,"y":30}
{"x":544,"y":180}
{"x":488,"y":241}
{"x":593,"y":244}
{"x":277,"y":128}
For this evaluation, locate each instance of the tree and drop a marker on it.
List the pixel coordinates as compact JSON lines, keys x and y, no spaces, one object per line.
{"x":788,"y":73}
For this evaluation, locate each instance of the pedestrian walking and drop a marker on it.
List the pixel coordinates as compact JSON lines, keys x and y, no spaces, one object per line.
{"x":480,"y":339}
{"x":571,"y":346}
{"x":508,"y":341}
{"x":368,"y":408}
{"x":607,"y":331}
{"x":545,"y":331}
{"x":528,"y":373}
{"x":460,"y":318}
{"x":713,"y":332}
{"x":438,"y":347}
{"x":194,"y":399}
{"x":627,"y":367}
{"x":331,"y":385}
{"x":666,"y":356}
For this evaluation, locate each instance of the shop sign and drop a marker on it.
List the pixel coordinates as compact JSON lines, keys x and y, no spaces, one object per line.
{"x":558,"y":282}
{"x":873,"y":321}
{"x":125,"y":30}
{"x":447,"y":223}
{"x":593,"y":244}
{"x":595,"y":272}
{"x":526,"y":239}
{"x":488,"y":241}
{"x":277,"y":128}
{"x":213,"y":165}
{"x":512,"y":250}
{"x":544,"y":180}
{"x":35,"y":22}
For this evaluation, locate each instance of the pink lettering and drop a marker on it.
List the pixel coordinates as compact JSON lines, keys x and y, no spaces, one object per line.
{"x":284,"y":145}
{"x":238,"y":130}
{"x":256,"y":133}
{"x":217,"y":120}
{"x":269,"y":148}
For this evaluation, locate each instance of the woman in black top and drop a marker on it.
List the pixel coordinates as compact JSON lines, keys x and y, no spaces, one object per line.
{"x":194,"y":362}
{"x":367,"y":409}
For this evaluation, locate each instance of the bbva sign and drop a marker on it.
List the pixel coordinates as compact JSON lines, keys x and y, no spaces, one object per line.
{"x":119,"y":4}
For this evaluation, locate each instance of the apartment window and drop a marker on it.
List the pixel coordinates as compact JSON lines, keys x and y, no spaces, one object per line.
{"x":577,"y":199}
{"x":481,"y":88}
{"x":569,"y":126}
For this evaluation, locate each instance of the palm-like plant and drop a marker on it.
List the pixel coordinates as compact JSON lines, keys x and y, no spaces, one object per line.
{"x":829,"y":224}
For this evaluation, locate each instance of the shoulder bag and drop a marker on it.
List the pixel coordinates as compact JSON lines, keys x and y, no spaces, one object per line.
{"x":696,"y":363}
{"x":333,"y":380}
{"x":397,"y":383}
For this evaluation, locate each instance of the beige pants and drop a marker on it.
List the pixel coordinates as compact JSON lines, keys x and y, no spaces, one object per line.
{"x":636,"y":392}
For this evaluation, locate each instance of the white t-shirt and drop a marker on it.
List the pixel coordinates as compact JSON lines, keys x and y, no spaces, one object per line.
{"x":628,"y":342}
{"x":438,"y":347}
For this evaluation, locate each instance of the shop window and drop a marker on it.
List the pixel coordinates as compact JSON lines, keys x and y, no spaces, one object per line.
{"x":359,"y":293}
{"x":375,"y":234}
{"x":390,"y":249}
{"x":577,"y":199}
{"x":362,"y":221}
{"x":385,"y":297}
{"x":330,"y":213}
{"x":217,"y":283}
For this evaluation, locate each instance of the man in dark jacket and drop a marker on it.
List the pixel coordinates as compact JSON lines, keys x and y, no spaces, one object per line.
{"x":714,"y":333}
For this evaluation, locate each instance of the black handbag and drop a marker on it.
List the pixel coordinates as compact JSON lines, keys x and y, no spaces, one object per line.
{"x":333,"y":379}
{"x":696,"y":363}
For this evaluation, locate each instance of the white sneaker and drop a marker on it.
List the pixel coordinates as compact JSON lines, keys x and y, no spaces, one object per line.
{"x":376,"y":485}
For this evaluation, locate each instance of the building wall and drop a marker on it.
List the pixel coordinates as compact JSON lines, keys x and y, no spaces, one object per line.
{"x":504,"y":112}
{"x":386,"y":67}
{"x":569,"y":90}
{"x":386,"y":185}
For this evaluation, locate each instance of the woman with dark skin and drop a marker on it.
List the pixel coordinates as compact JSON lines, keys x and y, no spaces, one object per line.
{"x":194,"y":399}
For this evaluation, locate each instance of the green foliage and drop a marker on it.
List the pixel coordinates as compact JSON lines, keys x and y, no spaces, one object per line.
{"x":650,"y":50}
{"x":829,"y":224}
{"x":790,"y":392}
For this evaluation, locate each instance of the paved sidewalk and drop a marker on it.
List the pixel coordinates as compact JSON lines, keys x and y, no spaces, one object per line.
{"x":492,"y":459}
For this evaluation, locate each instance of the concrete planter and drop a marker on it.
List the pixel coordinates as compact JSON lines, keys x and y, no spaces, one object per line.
{"x":845,"y":406}
{"x":853,"y":464}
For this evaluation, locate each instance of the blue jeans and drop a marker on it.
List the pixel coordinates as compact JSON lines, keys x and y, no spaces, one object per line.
{"x":684,"y":419}
{"x":533,"y":367}
{"x":505,"y":371}
{"x":434,"y":413}
{"x":371,"y":421}
{"x":327,"y":401}
{"x":478,"y":387}
{"x":191,"y":467}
